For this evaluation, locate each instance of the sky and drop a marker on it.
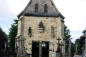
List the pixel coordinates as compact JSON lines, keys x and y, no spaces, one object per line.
{"x":74,"y":12}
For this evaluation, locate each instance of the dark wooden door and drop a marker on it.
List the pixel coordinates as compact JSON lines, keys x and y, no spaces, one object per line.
{"x":35,"y":49}
{"x":45,"y":49}
{"x":40,"y":49}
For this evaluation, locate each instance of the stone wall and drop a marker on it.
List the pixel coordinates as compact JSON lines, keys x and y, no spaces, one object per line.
{"x":34,"y":22}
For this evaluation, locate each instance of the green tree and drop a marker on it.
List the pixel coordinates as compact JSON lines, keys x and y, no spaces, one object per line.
{"x":12,"y":35}
{"x":80,"y":45}
{"x":67,"y":37}
{"x":3,"y":37}
{"x":3,"y":34}
{"x":3,"y":42}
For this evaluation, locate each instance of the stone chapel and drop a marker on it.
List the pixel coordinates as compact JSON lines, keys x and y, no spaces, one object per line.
{"x":40,"y":30}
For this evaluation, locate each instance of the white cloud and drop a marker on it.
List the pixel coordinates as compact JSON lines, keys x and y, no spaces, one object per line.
{"x":74,"y":12}
{"x":17,"y":5}
{"x":76,"y":35}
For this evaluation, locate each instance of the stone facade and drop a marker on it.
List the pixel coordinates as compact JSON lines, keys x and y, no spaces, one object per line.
{"x":42,"y":26}
{"x":25,"y":22}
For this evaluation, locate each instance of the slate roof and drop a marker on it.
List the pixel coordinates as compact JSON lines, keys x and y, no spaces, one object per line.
{"x":30,"y":9}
